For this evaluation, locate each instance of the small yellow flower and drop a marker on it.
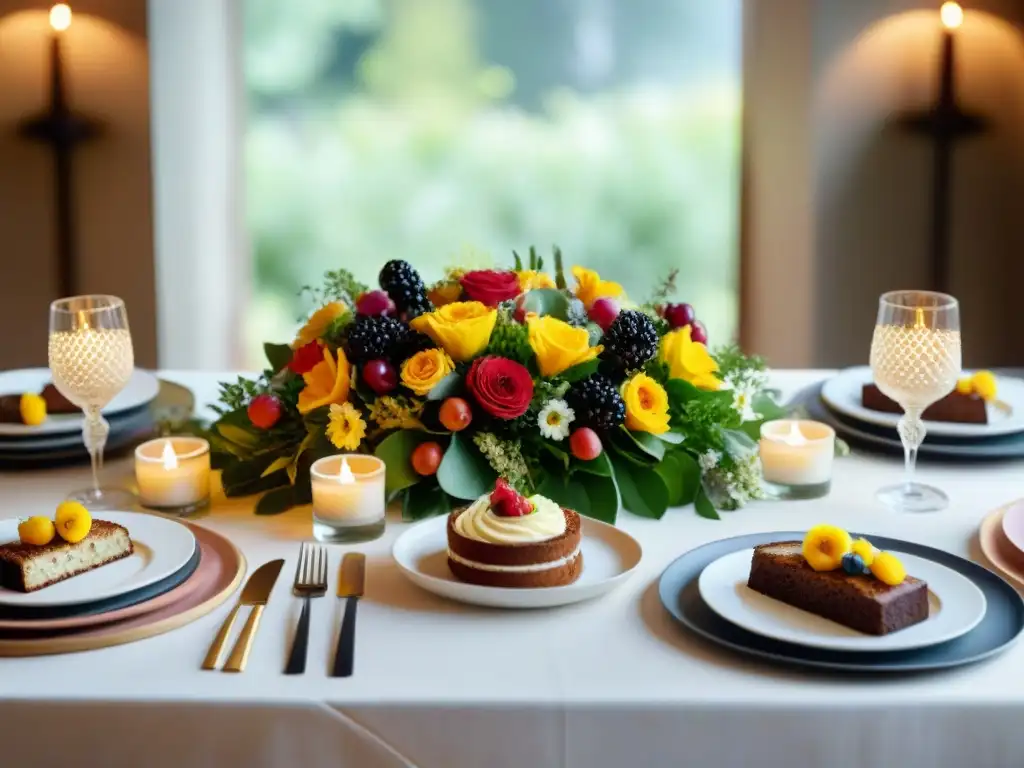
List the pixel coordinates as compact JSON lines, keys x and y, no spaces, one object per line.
{"x":424,"y":370}
{"x":558,"y":345}
{"x":327,"y":383}
{"x":646,"y":405}
{"x":462,"y":328}
{"x":318,"y":323}
{"x":345,"y":427}
{"x":590,"y":287}
{"x":32,"y":408}
{"x":689,"y":360}
{"x":445,"y":292}
{"x":531,"y":280}
{"x":394,"y":413}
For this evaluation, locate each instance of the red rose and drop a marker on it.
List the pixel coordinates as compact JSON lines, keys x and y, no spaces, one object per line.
{"x":503,"y":387}
{"x":306,"y":357}
{"x":490,"y":286}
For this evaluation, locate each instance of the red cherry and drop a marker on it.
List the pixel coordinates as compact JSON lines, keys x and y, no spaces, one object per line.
{"x":679,"y":315}
{"x":585,"y":444}
{"x":427,"y":458}
{"x":264,"y":411}
{"x":604,"y":311}
{"x":380,"y":376}
{"x":455,"y":414}
{"x":698,"y":332}
{"x":375,"y":302}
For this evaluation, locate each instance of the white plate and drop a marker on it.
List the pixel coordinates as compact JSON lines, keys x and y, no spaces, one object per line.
{"x":140,"y":390}
{"x":842,"y":393}
{"x":956,"y":606}
{"x":609,"y":557}
{"x":162,"y":547}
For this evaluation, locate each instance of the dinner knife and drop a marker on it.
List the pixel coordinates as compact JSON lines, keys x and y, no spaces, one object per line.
{"x":351,"y":579}
{"x":257,"y":590}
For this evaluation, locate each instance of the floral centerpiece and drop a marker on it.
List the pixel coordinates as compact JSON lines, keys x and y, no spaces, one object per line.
{"x":554,"y":382}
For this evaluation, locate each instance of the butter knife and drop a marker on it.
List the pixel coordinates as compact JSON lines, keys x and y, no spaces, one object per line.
{"x":257,"y":590}
{"x":351,"y":580}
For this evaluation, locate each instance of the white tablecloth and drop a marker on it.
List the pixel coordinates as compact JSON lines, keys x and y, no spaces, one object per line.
{"x":612,"y":682}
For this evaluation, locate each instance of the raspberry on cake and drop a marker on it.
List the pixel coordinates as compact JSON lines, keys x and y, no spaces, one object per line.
{"x":504,"y":539}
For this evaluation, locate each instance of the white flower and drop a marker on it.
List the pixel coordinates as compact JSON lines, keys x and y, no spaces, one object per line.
{"x":709,"y":460}
{"x":554,"y":419}
{"x":743,"y":393}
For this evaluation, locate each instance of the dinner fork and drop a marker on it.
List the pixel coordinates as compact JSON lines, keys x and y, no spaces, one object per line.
{"x":310,"y":582}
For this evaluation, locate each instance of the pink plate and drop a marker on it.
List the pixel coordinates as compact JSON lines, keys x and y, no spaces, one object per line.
{"x":1003,"y":555}
{"x":1013,"y":524}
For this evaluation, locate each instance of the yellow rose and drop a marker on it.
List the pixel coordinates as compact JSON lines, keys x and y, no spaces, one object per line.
{"x":422,"y":372}
{"x":462,"y":328}
{"x":689,"y":360}
{"x":327,"y":383}
{"x":444,"y":293}
{"x":646,"y":405}
{"x":531,"y":279}
{"x":318,"y":323}
{"x":590,"y":287}
{"x":558,"y":345}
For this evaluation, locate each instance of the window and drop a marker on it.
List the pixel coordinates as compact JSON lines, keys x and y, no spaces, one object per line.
{"x":454,"y":131}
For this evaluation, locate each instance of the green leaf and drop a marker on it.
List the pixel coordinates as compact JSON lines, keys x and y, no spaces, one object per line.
{"x":559,"y":270}
{"x":242,"y":478}
{"x":238,"y":418}
{"x":738,"y":442}
{"x":689,"y":470}
{"x":395,"y":451}
{"x":278,"y":355}
{"x":237,"y":435}
{"x":767,"y":408}
{"x":425,"y":499}
{"x":670,"y":473}
{"x":571,"y":495}
{"x":579,"y":372}
{"x":647,"y":443}
{"x":681,"y":392}
{"x":447,"y":387}
{"x":464,"y":472}
{"x":276,"y":501}
{"x":704,"y":506}
{"x":547,"y":301}
{"x":517,"y":261}
{"x":601,"y":466}
{"x":282,"y":462}
{"x":603,"y":494}
{"x":558,"y":453}
{"x":643,"y":491}
{"x":672,"y":438}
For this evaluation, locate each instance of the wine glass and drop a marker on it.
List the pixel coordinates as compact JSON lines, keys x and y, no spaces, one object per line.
{"x":915,"y":360}
{"x":91,"y":360}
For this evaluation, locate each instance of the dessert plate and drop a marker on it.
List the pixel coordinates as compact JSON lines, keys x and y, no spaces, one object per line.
{"x":956,"y":607}
{"x":609,"y":558}
{"x":1000,"y":552}
{"x":1013,"y":524}
{"x":842,"y":393}
{"x":162,"y":547}
{"x":140,"y":390}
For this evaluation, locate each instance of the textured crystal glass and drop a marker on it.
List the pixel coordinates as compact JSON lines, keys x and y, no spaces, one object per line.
{"x":91,"y":360}
{"x":915,"y":360}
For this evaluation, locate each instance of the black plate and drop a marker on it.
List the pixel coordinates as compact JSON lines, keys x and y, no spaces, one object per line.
{"x":166,"y":584}
{"x":997,"y":631}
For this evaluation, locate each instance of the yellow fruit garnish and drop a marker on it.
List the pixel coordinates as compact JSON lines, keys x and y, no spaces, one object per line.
{"x":888,"y":568}
{"x":33,"y":409}
{"x":824,"y":547}
{"x":965,"y":386}
{"x":984,"y":383}
{"x":37,"y":530}
{"x":73,"y":521}
{"x":863,"y":548}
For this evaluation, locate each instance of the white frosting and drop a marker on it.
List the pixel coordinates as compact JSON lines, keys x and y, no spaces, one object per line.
{"x":478,"y":522}
{"x":515,"y":568}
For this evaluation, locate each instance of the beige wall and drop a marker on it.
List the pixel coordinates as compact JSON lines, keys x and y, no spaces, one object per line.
{"x":108,"y":78}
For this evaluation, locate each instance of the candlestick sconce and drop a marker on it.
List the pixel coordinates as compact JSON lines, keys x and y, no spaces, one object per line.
{"x":62,"y":131}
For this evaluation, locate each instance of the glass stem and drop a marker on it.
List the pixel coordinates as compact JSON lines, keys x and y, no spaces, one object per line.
{"x":912,"y":432}
{"x":94,"y":433}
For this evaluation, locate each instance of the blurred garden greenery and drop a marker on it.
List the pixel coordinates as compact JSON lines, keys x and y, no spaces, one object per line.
{"x":453,"y":131}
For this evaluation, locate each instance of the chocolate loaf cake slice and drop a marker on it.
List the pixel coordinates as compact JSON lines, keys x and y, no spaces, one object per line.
{"x":954,"y":407}
{"x":863,"y":603}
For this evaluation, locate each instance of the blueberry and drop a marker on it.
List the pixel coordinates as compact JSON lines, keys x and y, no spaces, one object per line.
{"x":853,"y":564}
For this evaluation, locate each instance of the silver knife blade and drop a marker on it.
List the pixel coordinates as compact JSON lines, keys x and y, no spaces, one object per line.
{"x":352,"y":575}
{"x":258,"y":587}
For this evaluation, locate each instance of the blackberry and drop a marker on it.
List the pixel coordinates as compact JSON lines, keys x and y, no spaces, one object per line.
{"x":405,"y":287}
{"x":630,"y":341}
{"x":411,"y":343}
{"x":597,"y":403}
{"x":374,"y":337}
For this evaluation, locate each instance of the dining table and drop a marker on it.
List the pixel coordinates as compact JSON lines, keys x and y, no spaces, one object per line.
{"x":609,"y":682}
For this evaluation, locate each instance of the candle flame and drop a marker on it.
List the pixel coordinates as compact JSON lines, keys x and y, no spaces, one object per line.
{"x":919,"y":318}
{"x":345,"y":476}
{"x":952,"y":15}
{"x":795,"y":436}
{"x":169,"y":457}
{"x":60,"y":17}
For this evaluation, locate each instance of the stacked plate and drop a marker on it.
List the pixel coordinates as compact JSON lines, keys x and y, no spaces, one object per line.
{"x":59,"y":438}
{"x":1001,"y":537}
{"x":974,"y":614}
{"x":838,"y":403}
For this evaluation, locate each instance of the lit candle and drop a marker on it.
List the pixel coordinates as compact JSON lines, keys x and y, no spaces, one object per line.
{"x":348,"y":498}
{"x":796,"y":458}
{"x":173,"y":473}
